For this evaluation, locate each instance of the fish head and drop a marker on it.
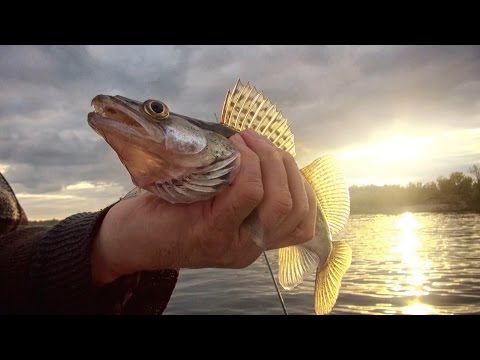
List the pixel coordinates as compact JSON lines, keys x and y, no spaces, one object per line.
{"x":176,"y":157}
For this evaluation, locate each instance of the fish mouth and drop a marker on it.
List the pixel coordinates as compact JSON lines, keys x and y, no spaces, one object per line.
{"x":122,"y":116}
{"x":117,"y":108}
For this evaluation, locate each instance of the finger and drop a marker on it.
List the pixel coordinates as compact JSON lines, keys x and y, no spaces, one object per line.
{"x":305,"y":231}
{"x":300,"y":201}
{"x":277,"y":201}
{"x":232,"y":206}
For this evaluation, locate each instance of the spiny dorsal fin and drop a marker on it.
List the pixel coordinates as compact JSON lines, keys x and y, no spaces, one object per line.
{"x":331,"y":191}
{"x":246,"y":108}
{"x":329,"y":278}
{"x":294,"y":263}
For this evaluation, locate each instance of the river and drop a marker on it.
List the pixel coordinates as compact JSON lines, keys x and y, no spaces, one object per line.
{"x":412,"y":263}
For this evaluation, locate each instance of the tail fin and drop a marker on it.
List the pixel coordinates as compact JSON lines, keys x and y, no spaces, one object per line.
{"x":329,"y":277}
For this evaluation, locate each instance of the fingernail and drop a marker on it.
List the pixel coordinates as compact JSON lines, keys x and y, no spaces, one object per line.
{"x":238,"y":140}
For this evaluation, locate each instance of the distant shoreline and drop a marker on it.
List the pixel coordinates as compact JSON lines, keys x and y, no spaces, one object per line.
{"x":50,"y":222}
{"x":459,"y":193}
{"x":426,"y":208}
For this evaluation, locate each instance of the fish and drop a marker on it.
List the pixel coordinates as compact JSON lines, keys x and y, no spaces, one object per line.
{"x":183,"y":160}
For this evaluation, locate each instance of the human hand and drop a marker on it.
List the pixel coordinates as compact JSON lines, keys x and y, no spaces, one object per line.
{"x":268,"y":198}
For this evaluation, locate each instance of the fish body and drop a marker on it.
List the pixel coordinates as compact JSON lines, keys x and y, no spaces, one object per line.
{"x":183,"y":160}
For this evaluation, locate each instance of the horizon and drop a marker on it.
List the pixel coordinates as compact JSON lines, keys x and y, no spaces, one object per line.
{"x":390,"y":114}
{"x":86,"y":185}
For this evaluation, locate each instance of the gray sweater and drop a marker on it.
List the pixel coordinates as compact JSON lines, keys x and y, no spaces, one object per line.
{"x":47,"y":270}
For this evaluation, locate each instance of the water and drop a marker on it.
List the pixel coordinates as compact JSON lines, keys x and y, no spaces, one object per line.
{"x":420,"y":263}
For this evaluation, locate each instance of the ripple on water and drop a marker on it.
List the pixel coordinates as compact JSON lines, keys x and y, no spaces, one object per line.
{"x":402,"y":264}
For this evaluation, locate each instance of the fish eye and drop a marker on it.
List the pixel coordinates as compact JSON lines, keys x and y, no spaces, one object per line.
{"x":156,"y":109}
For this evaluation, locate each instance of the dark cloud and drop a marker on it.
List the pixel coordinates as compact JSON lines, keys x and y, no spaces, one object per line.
{"x":334,"y":96}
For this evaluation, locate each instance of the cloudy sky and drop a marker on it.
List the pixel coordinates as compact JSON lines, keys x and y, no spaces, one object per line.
{"x":390,"y":114}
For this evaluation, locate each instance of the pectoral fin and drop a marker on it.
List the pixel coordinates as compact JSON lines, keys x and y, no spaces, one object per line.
{"x":136,"y":191}
{"x":294,"y":264}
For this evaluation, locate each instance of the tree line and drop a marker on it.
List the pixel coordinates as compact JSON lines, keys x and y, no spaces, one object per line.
{"x":457,"y":192}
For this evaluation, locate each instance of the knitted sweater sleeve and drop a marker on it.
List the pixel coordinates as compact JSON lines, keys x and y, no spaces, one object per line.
{"x":48,"y":271}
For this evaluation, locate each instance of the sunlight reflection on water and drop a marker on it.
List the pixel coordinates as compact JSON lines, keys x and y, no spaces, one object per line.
{"x":420,"y":263}
{"x":409,"y":245}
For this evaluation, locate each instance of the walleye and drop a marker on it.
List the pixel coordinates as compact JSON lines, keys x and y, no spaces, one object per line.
{"x":183,"y":160}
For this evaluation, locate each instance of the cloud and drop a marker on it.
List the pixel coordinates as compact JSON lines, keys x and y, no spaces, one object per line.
{"x":336,"y":97}
{"x":78,"y":197}
{"x":399,"y":160}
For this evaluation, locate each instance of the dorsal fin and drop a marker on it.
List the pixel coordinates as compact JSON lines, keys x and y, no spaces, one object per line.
{"x":246,"y":108}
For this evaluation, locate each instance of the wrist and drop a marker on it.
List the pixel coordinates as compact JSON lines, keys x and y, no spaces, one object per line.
{"x":103,"y":265}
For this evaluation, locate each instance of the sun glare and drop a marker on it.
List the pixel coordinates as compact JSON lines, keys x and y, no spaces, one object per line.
{"x":408,"y":224}
{"x":409,"y":246}
{"x":418,"y":309}
{"x":399,"y":158}
{"x":394,"y":149}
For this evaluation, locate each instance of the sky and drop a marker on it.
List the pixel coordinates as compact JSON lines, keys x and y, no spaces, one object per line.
{"x":389,"y":114}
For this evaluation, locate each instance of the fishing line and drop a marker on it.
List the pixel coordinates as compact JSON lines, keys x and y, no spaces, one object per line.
{"x":276,"y":286}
